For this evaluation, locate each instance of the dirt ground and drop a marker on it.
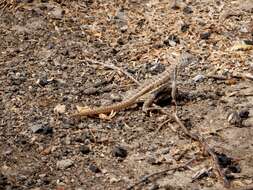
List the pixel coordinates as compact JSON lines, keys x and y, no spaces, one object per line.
{"x":45,"y":73}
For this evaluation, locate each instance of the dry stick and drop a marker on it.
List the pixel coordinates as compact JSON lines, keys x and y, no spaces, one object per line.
{"x":145,"y":178}
{"x":206,"y":147}
{"x":198,"y":137}
{"x":111,"y":66}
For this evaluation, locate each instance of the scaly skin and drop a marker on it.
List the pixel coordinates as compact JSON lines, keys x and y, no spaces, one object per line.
{"x":160,"y":79}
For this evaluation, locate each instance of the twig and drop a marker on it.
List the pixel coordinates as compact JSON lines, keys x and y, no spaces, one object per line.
{"x":111,"y":66}
{"x":202,"y":141}
{"x":206,"y":147}
{"x":185,"y":130}
{"x":145,"y":178}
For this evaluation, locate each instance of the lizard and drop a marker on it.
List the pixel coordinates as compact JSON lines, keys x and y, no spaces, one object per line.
{"x":143,"y":89}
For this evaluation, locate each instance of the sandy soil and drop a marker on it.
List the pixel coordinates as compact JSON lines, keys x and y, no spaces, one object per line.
{"x":44,"y":75}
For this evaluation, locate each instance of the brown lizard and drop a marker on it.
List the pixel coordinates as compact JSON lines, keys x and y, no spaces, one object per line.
{"x":143,"y":89}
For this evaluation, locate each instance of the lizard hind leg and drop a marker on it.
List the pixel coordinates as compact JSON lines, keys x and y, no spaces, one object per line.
{"x":161,"y":95}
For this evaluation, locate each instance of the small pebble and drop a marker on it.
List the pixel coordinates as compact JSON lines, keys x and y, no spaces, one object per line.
{"x":36,"y":128}
{"x":224,"y":160}
{"x":94,"y":168}
{"x":172,"y":40}
{"x":42,"y":81}
{"x":57,"y":13}
{"x":124,"y":28}
{"x":244,"y":114}
{"x":154,"y":187}
{"x":60,"y":109}
{"x":165,"y":150}
{"x":119,"y":151}
{"x":234,"y":118}
{"x":41,"y":128}
{"x":187,"y":10}
{"x":235,"y":168}
{"x":63,"y":164}
{"x":90,"y":91}
{"x":84,"y":149}
{"x":205,"y":35}
{"x":184,"y":27}
{"x":50,"y":46}
{"x":47,"y":130}
{"x":186,"y":59}
{"x":198,"y":78}
{"x":153,"y":160}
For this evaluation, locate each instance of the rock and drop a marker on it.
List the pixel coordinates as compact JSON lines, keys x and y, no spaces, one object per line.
{"x":187,"y":10}
{"x":165,"y":150}
{"x":172,"y":40}
{"x":47,"y":130}
{"x":57,"y":13}
{"x":198,"y":78}
{"x":187,"y":59}
{"x":124,"y":28}
{"x":42,"y":128}
{"x":68,"y":122}
{"x":244,"y":114}
{"x":205,"y":35}
{"x":84,"y":149}
{"x":156,"y":67}
{"x":94,"y":168}
{"x":153,"y":160}
{"x":154,"y":187}
{"x":50,"y":45}
{"x":234,"y":118}
{"x":119,"y":151}
{"x":60,"y":109}
{"x":90,"y":91}
{"x":184,"y":27}
{"x":64,"y":164}
{"x":114,"y":180}
{"x":36,"y":128}
{"x":42,"y":81}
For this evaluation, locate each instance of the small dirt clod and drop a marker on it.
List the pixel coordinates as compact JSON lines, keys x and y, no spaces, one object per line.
{"x":119,"y":151}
